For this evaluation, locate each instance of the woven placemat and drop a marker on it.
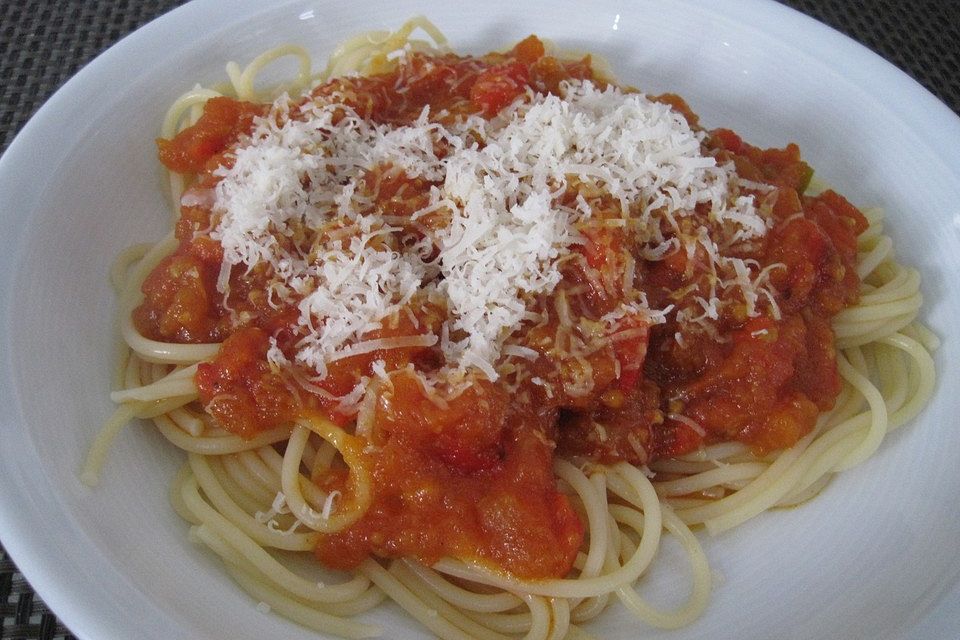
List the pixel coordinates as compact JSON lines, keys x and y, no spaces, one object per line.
{"x":42,"y":44}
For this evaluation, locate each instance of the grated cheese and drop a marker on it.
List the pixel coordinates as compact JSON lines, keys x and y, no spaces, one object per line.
{"x":290,"y":202}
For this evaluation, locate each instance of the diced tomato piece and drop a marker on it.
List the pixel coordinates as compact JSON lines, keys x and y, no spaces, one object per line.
{"x":728,"y":140}
{"x":239,"y":389}
{"x":674,"y":438}
{"x":223,"y":120}
{"x":179,"y":302}
{"x":529,"y":50}
{"x":498,"y":86}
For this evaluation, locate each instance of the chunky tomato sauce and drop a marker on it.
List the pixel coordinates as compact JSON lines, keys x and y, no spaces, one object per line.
{"x":471,"y":477}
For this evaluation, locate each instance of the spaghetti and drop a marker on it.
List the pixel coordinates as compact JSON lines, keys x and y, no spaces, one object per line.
{"x":479,"y":330}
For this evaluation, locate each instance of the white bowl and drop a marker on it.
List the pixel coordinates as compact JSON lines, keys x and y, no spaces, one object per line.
{"x":875,"y":556}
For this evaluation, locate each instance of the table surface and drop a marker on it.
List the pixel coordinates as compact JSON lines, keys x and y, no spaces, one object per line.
{"x":43,"y":43}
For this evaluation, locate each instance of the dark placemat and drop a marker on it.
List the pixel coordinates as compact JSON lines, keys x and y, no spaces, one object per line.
{"x":43,"y":43}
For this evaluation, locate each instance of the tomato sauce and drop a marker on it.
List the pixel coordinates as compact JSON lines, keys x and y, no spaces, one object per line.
{"x":471,"y":476}
{"x":472,"y":480}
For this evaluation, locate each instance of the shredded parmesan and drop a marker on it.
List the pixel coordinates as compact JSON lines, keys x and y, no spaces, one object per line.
{"x":291,"y":203}
{"x":328,"y":504}
{"x":689,"y":422}
{"x":279,"y":507}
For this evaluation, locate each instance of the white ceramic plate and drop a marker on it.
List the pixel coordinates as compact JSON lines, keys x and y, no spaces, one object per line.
{"x":875,"y":556}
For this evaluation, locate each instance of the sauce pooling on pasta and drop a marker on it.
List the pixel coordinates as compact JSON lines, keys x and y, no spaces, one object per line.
{"x":660,"y":333}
